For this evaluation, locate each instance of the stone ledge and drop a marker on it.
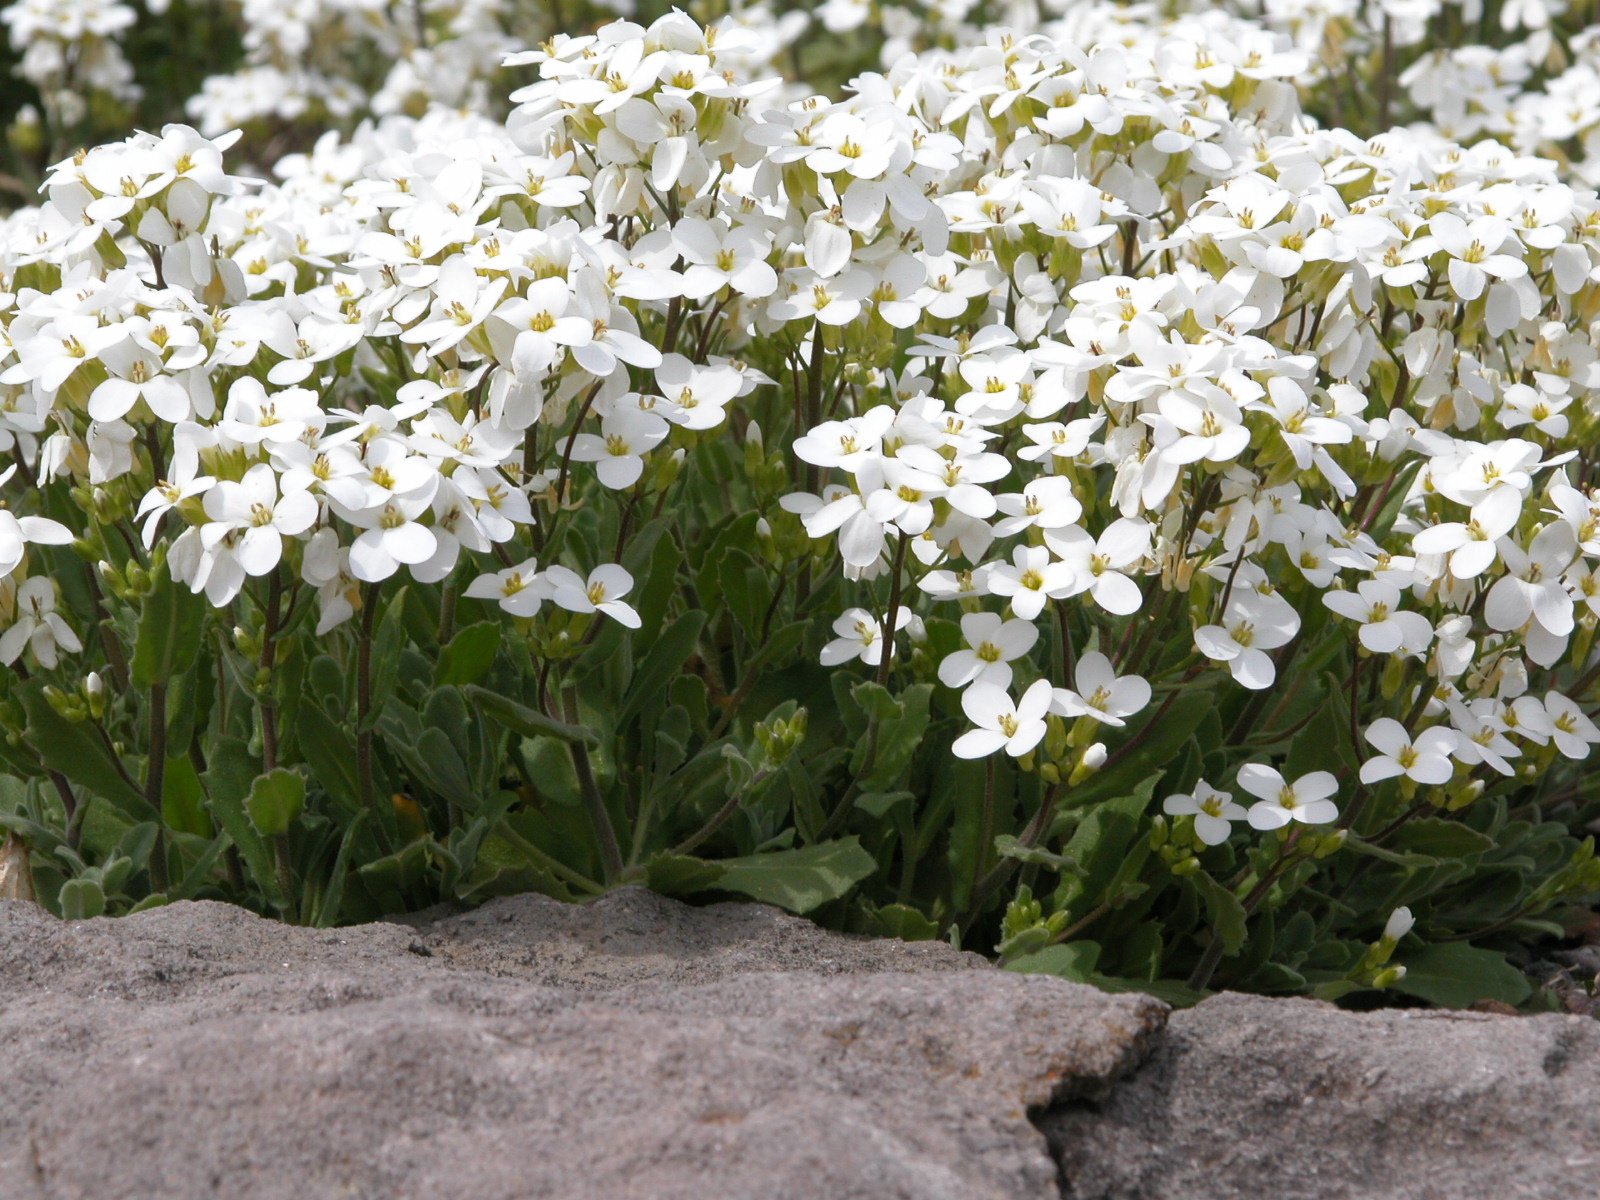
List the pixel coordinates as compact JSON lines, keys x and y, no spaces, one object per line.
{"x":640,"y":1049}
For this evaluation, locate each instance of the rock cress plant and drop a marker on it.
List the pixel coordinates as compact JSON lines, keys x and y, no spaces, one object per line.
{"x":1111,"y":429}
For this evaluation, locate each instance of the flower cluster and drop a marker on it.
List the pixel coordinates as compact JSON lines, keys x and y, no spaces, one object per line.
{"x":1104,"y":371}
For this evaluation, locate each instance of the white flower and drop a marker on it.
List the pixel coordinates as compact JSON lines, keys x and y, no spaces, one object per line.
{"x":1474,"y":252}
{"x":1385,"y":629}
{"x":253,"y":509}
{"x":860,"y":635}
{"x":625,"y":437}
{"x":601,"y":592}
{"x":37,"y":626}
{"x":1250,"y":629}
{"x":1426,"y":759}
{"x":17,"y":533}
{"x":1014,"y":727}
{"x":1098,"y":564}
{"x":1102,"y":693}
{"x":1046,"y":502}
{"x":1532,"y":586}
{"x":391,"y":535}
{"x":991,"y":645}
{"x":1031,"y":578}
{"x":1306,"y":799}
{"x":1214,"y":812}
{"x":1572,"y":730}
{"x":518,"y":590}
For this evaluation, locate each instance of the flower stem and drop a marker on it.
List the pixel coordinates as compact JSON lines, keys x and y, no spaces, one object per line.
{"x":364,"y":781}
{"x":155,"y":774}
{"x":594,"y":804}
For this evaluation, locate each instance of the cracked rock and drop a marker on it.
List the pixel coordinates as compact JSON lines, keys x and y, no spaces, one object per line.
{"x":1247,"y":1097}
{"x":632,"y":1048}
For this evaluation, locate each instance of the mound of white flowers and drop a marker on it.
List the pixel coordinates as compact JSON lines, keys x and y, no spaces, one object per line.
{"x":1100,"y":326}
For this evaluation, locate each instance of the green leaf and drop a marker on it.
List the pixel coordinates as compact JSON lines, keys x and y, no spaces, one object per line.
{"x":659,"y":582}
{"x":330,"y":752}
{"x":664,"y":659}
{"x":799,"y":880}
{"x":519,"y":718}
{"x":1457,"y":975}
{"x":77,"y":750}
{"x":470,"y":654}
{"x":1441,"y":838}
{"x":906,"y":923}
{"x":1179,"y":995}
{"x":171,"y":629}
{"x":328,"y":909}
{"x":1168,"y":732}
{"x":1072,"y":960}
{"x":680,"y":874}
{"x":387,"y":642}
{"x":81,"y":899}
{"x":899,"y":736}
{"x":200,"y":873}
{"x":1410,"y":861}
{"x":1224,"y":910}
{"x":276,"y":801}
{"x":1102,"y":840}
{"x":229,"y":776}
{"x":744,"y":590}
{"x":183,"y":800}
{"x":1007,"y":846}
{"x":879,"y":803}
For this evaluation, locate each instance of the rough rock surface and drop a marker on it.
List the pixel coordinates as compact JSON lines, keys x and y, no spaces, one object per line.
{"x":1291,"y":1099}
{"x":635,"y":1048}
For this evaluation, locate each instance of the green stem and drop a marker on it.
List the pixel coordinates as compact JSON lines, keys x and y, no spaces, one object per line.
{"x":594,"y":804}
{"x":546,"y":862}
{"x":280,"y":851}
{"x":1214,"y":949}
{"x":369,"y":619}
{"x":155,"y":773}
{"x":447,"y":611}
{"x":1002,"y":871}
{"x":886,"y":658}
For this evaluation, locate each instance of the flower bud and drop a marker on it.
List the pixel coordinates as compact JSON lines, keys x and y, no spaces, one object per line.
{"x":1330,"y":843}
{"x":1399,"y":924}
{"x":1388,"y":976}
{"x":94,"y":693}
{"x":116,"y":583}
{"x":1090,"y":761}
{"x":1465,"y":794}
{"x":246,"y":643}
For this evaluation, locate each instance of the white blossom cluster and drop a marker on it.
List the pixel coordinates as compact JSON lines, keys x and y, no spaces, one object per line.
{"x":1092,"y":325}
{"x":70,"y":50}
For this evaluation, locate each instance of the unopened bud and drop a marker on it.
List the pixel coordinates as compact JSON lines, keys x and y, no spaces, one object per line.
{"x":1465,"y":794}
{"x":94,"y":692}
{"x":1331,"y":843}
{"x":1090,"y":761}
{"x":1389,"y":976}
{"x":114,"y":580}
{"x":1399,"y":924}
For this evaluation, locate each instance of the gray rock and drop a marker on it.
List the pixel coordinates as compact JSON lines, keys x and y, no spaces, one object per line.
{"x":1247,"y":1098}
{"x":635,"y":1048}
